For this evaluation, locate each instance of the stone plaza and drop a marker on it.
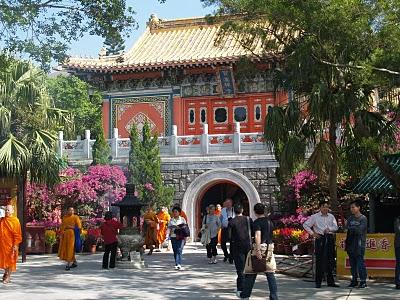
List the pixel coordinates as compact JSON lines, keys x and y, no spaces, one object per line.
{"x":44,"y":278}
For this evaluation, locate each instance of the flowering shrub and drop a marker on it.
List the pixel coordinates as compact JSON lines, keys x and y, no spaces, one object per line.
{"x":290,"y":236}
{"x":295,"y":221}
{"x":301,"y":182}
{"x":93,"y":236}
{"x":50,"y":237}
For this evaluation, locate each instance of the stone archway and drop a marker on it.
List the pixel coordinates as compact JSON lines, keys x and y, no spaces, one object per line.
{"x":209,"y":178}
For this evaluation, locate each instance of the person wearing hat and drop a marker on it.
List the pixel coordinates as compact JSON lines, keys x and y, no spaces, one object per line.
{"x":109,"y":230}
{"x":322,"y":227}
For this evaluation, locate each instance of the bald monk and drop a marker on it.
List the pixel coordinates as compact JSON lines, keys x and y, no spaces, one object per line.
{"x":163,"y":219}
{"x":66,"y":250}
{"x":150,"y":225}
{"x":10,"y":238}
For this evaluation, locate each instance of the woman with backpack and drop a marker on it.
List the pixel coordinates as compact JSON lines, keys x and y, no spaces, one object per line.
{"x":178,"y":238}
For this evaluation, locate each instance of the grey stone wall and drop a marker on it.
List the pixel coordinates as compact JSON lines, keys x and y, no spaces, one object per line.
{"x":263,"y":179}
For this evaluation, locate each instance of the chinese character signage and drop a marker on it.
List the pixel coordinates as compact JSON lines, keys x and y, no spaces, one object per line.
{"x":379,"y":255}
{"x":227,"y":82}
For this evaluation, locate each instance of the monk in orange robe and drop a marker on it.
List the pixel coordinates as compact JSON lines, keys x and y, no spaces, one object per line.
{"x":163,"y":219}
{"x":150,"y":229}
{"x":218,"y":213}
{"x":66,"y":250}
{"x":10,"y":238}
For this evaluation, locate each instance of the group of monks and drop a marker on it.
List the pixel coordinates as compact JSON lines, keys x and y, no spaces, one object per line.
{"x":155,"y":227}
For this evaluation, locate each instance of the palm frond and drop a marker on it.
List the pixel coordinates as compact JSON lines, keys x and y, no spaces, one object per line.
{"x":14,"y":156}
{"x":293,"y":153}
{"x":5,"y":121}
{"x":320,"y":159}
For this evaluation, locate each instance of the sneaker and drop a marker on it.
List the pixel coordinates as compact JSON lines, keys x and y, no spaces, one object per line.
{"x":210,"y":261}
{"x":353,"y":284}
{"x":176,"y":268}
{"x":157,"y":250}
{"x":179,"y":267}
{"x":362,"y":285}
{"x":214,"y":261}
{"x":238,"y":294}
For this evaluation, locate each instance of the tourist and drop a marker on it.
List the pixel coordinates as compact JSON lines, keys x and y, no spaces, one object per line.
{"x":66,"y":250}
{"x":262,"y":228}
{"x":163,"y":219}
{"x":150,"y":229}
{"x":322,"y":227}
{"x":10,"y":237}
{"x":177,"y":242}
{"x":397,"y":251}
{"x":240,"y":229}
{"x":227,"y":214}
{"x":355,"y":244}
{"x":218,"y":209}
{"x":213,"y":224}
{"x":109,"y":230}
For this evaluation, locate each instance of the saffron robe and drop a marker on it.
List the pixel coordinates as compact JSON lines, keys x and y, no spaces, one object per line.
{"x":66,"y":250}
{"x":183,"y":215}
{"x":150,"y":225}
{"x":10,"y":236}
{"x":163,"y":219}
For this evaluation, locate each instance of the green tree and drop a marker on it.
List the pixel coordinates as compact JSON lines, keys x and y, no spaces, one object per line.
{"x":28,"y":123}
{"x":145,"y":167}
{"x":70,"y":93}
{"x":101,"y":149}
{"x":114,"y":44}
{"x":50,"y":25}
{"x":331,"y":54}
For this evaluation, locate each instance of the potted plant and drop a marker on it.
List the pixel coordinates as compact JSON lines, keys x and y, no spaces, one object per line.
{"x":50,"y":240}
{"x":93,"y":237}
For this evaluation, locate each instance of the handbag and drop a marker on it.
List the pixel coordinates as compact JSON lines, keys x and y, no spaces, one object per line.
{"x":266,"y":264}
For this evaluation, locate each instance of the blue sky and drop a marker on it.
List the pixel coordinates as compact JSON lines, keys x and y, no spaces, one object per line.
{"x":171,"y":9}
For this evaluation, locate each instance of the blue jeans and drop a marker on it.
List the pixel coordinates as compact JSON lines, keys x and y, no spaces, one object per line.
{"x":397,"y":275}
{"x":249,"y":281}
{"x":177,"y":247}
{"x":357,"y":266}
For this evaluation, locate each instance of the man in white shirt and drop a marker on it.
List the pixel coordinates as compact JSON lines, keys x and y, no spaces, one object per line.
{"x":227,"y":213}
{"x":322,"y":226}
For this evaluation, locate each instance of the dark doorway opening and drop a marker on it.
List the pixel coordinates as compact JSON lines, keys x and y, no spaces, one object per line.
{"x":217,"y":194}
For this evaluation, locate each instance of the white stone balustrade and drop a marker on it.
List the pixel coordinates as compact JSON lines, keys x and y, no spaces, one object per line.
{"x":173,"y":145}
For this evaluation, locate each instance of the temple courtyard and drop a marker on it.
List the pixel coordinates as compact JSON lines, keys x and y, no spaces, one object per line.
{"x":43,"y":277}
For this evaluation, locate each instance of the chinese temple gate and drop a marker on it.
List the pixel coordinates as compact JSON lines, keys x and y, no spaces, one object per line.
{"x":175,"y":74}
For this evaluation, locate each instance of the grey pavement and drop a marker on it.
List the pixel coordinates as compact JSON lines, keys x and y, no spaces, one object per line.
{"x":44,"y":278}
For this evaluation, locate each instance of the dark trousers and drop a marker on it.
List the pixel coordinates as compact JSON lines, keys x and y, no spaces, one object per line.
{"x":224,"y":240}
{"x":249,"y":281}
{"x":324,"y":258}
{"x":212,"y":247}
{"x":357,"y":265}
{"x":239,"y":257}
{"x":110,"y":248}
{"x":177,"y":247}
{"x":397,"y":273}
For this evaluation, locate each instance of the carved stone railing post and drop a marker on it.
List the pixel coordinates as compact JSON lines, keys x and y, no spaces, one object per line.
{"x":173,"y":141}
{"x":114,"y":143}
{"x":205,"y":148}
{"x":236,"y":138}
{"x":86,"y":145}
{"x":60,"y":149}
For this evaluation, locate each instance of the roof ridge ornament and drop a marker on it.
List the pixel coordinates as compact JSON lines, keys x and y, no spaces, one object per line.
{"x":154,"y":22}
{"x":103,"y":52}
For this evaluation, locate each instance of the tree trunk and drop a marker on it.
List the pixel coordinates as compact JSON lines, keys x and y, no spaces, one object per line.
{"x":332,"y":180}
{"x":388,"y":172}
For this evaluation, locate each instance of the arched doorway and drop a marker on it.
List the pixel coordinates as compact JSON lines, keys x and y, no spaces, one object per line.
{"x":197,"y":189}
{"x":217,"y":194}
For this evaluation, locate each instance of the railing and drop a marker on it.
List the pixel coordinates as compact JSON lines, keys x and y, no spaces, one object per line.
{"x":173,"y":145}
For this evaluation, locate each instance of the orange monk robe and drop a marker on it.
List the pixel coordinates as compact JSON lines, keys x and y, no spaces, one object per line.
{"x":218,"y":213}
{"x":151,"y":221}
{"x":163,"y":219}
{"x":183,"y":215}
{"x":66,"y":250}
{"x":10,"y":236}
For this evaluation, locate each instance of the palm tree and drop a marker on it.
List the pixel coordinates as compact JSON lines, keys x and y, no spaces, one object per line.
{"x":28,"y":125}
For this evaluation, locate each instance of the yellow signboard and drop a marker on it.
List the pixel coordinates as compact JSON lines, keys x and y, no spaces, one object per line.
{"x":379,"y":255}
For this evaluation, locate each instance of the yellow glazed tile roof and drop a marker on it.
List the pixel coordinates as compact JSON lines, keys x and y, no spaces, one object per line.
{"x":181,"y":42}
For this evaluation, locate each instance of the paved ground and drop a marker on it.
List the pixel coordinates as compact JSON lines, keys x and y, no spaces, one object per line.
{"x":43,"y":278}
